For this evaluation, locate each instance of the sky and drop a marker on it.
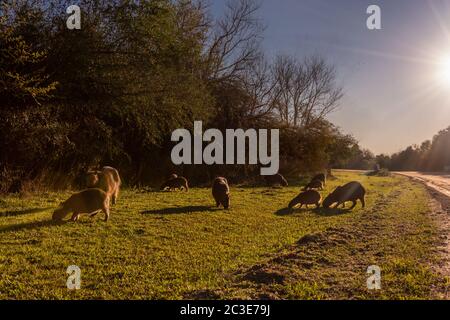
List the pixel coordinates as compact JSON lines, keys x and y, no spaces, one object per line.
{"x":396,"y":80}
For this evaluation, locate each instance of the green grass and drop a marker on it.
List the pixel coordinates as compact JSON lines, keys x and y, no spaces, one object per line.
{"x":173,"y":245}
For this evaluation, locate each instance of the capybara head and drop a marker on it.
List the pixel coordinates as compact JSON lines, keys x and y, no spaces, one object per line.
{"x":293,"y":203}
{"x":59,"y":214}
{"x":173,"y":176}
{"x":92,"y":179}
{"x":331,"y":198}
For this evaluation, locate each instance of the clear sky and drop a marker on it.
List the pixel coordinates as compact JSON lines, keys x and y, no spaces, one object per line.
{"x":396,"y":90}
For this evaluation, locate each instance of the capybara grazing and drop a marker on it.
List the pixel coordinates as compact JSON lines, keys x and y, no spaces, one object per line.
{"x":176,"y":183}
{"x":352,"y":191}
{"x":107,"y":179}
{"x":315,"y":184}
{"x":321,"y":177}
{"x":276,"y":179}
{"x":89,"y":201}
{"x":221,"y":192}
{"x":306,"y":198}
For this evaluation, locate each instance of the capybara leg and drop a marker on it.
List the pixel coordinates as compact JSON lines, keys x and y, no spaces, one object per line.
{"x":363,"y":202}
{"x":75,"y":216}
{"x":105,"y":209}
{"x":353,"y":204}
{"x":94,"y":214}
{"x":115,"y":196}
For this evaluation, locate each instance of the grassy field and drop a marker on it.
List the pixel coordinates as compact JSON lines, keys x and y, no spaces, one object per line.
{"x":173,"y":245}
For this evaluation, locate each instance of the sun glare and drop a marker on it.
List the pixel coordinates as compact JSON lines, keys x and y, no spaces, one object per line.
{"x":443,"y":72}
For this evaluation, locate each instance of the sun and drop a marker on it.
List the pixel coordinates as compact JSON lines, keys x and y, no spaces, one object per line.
{"x":443,"y":71}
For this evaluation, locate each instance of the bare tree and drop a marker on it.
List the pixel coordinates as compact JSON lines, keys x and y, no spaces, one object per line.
{"x":234,"y":43}
{"x":306,"y":91}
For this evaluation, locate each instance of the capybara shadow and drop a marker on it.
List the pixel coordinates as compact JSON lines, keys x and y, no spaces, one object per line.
{"x":14,"y":213}
{"x":284,"y":212}
{"x":330,"y":211}
{"x":31,"y":225}
{"x":288,"y":211}
{"x":179,"y":210}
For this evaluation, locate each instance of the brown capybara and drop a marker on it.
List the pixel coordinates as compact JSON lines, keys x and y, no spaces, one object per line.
{"x":315,"y":184}
{"x":352,"y":191}
{"x":172,"y":176}
{"x":321,"y":177}
{"x":221,"y":192}
{"x":276,"y":179}
{"x":306,"y":198}
{"x":176,"y":183}
{"x":107,"y":179}
{"x":89,"y":201}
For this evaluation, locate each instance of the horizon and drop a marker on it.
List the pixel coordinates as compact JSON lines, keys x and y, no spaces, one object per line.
{"x":389,"y":80}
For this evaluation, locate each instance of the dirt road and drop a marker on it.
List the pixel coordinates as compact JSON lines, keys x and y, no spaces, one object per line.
{"x":437,"y":181}
{"x":439,"y":187}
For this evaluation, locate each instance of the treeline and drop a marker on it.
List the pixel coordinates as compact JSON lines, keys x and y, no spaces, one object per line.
{"x":112,"y":92}
{"x":431,"y":155}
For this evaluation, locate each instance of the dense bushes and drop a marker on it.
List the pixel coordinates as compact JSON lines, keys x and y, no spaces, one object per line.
{"x":112,"y":92}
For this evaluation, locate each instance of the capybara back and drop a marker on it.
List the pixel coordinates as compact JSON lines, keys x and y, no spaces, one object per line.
{"x":86,"y":201}
{"x":221,"y":192}
{"x":310,"y":197}
{"x":351,"y":191}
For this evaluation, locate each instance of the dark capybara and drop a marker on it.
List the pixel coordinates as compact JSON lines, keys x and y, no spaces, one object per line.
{"x":221,"y":192}
{"x":321,"y":177}
{"x":89,"y":201}
{"x":107,"y":179}
{"x":306,"y":198}
{"x":352,"y":191}
{"x":172,"y":176}
{"x":276,"y":179}
{"x":176,"y":183}
{"x":315,"y":184}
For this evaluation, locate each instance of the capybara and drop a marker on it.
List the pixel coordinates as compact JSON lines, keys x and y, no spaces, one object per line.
{"x":176,"y":183}
{"x":107,"y":179}
{"x":306,"y":198}
{"x":276,"y":179}
{"x":315,"y":184}
{"x":321,"y":177}
{"x":172,"y":176}
{"x":352,"y":191}
{"x":221,"y":192}
{"x":89,"y":201}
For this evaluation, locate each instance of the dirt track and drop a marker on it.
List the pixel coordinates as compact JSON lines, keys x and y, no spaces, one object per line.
{"x":439,"y":186}
{"x":437,"y":181}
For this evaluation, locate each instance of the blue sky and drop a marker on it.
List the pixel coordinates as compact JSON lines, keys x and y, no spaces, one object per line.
{"x":393,"y":96}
